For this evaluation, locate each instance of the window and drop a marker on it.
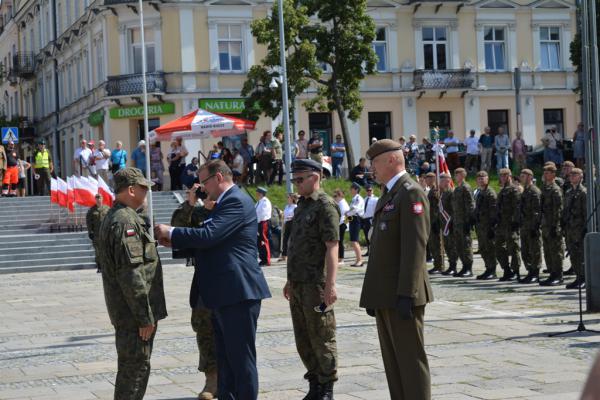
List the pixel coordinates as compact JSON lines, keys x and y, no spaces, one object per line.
{"x":553,"y":118}
{"x":494,"y":49}
{"x":498,"y":119}
{"x":76,"y":6}
{"x":135,"y":38}
{"x":99,"y":61}
{"x":380,"y":47}
{"x":69,"y":93}
{"x":68,"y":13}
{"x":153,"y":123}
{"x":321,"y":123}
{"x":230,"y":47}
{"x":550,"y":47}
{"x":59,"y":18}
{"x":435,"y":41}
{"x":79,"y":77}
{"x":441,"y":120}
{"x":379,"y":125}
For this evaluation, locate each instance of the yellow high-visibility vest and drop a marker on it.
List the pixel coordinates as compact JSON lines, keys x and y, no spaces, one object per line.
{"x":42,"y":159}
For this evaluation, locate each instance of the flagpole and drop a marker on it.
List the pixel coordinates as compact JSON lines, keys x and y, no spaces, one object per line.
{"x":437,"y":178}
{"x":146,"y":135}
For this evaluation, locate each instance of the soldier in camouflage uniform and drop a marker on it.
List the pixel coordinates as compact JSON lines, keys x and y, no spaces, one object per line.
{"x":435,"y":235}
{"x":530,"y":222}
{"x":507,"y":231}
{"x":552,"y":205}
{"x":192,"y":214}
{"x":574,"y":223}
{"x":447,"y":238}
{"x":485,"y":224}
{"x":565,"y":174}
{"x":93,"y":220}
{"x":310,"y":287}
{"x":463,"y":206}
{"x":133,"y":283}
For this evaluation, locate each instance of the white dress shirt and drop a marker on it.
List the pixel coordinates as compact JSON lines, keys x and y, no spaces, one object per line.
{"x":343,"y":206}
{"x":390,"y":184}
{"x":288,"y":212}
{"x":263,"y":210}
{"x":370,"y":203}
{"x":357,"y":206}
{"x":472,"y":144}
{"x":82,"y":155}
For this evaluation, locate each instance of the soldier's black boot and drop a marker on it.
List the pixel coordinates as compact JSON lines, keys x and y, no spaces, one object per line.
{"x":508,"y":275}
{"x":326,"y":391}
{"x":451,"y":270}
{"x":314,"y":390}
{"x":465,"y":272}
{"x":531,"y":277}
{"x":435,"y":271}
{"x":489,"y":273}
{"x":552,"y":280}
{"x":570,"y":271}
{"x":576,"y":284}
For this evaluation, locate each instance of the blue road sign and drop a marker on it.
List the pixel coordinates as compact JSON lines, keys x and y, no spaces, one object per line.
{"x":10,"y":134}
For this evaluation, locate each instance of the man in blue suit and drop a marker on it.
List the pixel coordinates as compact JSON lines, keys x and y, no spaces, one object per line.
{"x":228,"y":279}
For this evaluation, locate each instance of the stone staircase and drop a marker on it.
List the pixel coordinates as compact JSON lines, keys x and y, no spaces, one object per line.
{"x":32,"y":240}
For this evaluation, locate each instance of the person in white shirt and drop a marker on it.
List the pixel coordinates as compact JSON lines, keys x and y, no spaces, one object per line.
{"x":472,"y":145}
{"x":355,"y":214}
{"x":367,"y":218}
{"x":237,"y":167}
{"x":452,"y":151}
{"x":338,"y":196}
{"x":81,"y":159}
{"x":102,"y":157}
{"x":263,"y":215}
{"x":288,"y":216}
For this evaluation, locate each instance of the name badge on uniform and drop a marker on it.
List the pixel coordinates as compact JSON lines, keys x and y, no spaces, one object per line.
{"x":389,"y":207}
{"x":383,"y":226}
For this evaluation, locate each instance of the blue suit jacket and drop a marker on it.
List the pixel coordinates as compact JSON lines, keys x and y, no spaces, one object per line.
{"x":226,"y":255}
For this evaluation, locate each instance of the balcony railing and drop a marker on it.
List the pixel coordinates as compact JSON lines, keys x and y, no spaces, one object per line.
{"x":443,"y":79}
{"x":114,"y":2}
{"x":130,"y":85}
{"x":24,"y":64}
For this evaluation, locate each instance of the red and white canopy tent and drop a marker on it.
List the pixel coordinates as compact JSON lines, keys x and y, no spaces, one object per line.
{"x":201,"y":124}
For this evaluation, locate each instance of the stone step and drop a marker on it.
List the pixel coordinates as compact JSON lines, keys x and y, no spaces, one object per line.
{"x":57,"y":247}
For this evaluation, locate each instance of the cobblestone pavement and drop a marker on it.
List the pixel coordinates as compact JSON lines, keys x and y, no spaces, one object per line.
{"x":485,"y":340}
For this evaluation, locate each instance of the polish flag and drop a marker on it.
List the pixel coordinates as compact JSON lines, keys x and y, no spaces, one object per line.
{"x":62,"y":192}
{"x":84,"y":191}
{"x":71,"y":193}
{"x":441,"y":168}
{"x":108,"y":197}
{"x":53,"y":191}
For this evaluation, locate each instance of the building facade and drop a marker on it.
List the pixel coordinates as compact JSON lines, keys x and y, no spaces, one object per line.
{"x":448,"y":64}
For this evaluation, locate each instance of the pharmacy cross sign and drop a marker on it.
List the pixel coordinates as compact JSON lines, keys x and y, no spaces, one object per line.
{"x":10,"y":134}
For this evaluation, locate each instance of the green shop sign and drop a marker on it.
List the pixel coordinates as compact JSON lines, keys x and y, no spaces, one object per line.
{"x":138,"y":111}
{"x":228,"y":106}
{"x":96,"y":118}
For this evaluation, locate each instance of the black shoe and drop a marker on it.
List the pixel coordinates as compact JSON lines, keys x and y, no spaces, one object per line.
{"x":449,"y":272}
{"x":576,"y":284}
{"x":366,"y":254}
{"x":532,"y":277}
{"x":435,"y":271}
{"x":465,"y":272}
{"x":429,"y":260}
{"x":487,"y":275}
{"x":570,"y":271}
{"x":314,"y":390}
{"x":508,"y":276}
{"x":546,"y":270}
{"x":326,"y":391}
{"x":552,"y":280}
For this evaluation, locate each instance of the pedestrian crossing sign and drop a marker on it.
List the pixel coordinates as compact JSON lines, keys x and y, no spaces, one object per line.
{"x":10,"y":134}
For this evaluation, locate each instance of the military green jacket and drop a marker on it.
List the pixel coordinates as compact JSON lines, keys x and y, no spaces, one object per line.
{"x":508,"y":207}
{"x":434,"y":210}
{"x":485,"y":209}
{"x":187,"y":216}
{"x":316,"y":221}
{"x":574,"y":214}
{"x":397,"y":252}
{"x":463,"y":205}
{"x":131,"y":270}
{"x":530,"y":211}
{"x":93,"y":220}
{"x":551,"y":206}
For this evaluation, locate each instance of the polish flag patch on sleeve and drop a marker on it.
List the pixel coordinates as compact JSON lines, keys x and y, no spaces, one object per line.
{"x":417,"y":208}
{"x":130,"y":232}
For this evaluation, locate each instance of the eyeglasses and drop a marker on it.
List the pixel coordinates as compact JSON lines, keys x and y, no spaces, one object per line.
{"x":203,"y":182}
{"x":298,"y":180}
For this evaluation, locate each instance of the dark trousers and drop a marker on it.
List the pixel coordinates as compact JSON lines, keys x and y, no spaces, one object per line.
{"x":264,"y":250}
{"x":453,"y":161}
{"x":277,"y":170}
{"x":43,"y":184}
{"x":175,"y":174}
{"x":235,"y":338}
{"x":341,"y":243}
{"x":404,"y":357}
{"x":366,"y":227}
{"x":287,"y":229}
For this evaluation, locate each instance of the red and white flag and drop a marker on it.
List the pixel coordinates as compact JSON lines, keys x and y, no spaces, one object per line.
{"x":71,"y":193}
{"x":108,"y":197}
{"x":85,"y":191}
{"x":62,"y":192}
{"x":53,"y":191}
{"x":441,"y":168}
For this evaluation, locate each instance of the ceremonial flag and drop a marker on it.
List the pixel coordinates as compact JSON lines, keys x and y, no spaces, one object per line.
{"x":53,"y":191}
{"x":84,"y":191}
{"x":71,"y":193}
{"x":62,"y":192}
{"x":442,"y":167}
{"x":108,"y":197}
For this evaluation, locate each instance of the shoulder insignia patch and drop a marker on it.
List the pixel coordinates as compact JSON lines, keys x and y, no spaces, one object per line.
{"x":130,"y":232}
{"x":417,"y":208}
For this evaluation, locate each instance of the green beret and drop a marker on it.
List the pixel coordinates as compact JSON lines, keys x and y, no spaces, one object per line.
{"x":382,"y":146}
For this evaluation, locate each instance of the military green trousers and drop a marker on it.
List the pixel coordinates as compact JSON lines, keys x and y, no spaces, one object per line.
{"x":531,"y":250}
{"x":133,"y":364}
{"x":449,"y":248}
{"x":404,"y":358}
{"x":435,"y":246}
{"x":463,"y":244}
{"x":574,"y":242}
{"x":487,"y":248}
{"x":314,"y":332}
{"x":507,"y":249}
{"x":554,"y":253}
{"x":205,"y":338}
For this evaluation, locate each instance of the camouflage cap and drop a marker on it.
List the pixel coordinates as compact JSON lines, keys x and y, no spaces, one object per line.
{"x":568,"y":164}
{"x":430,"y":175}
{"x":527,"y":171}
{"x":482,"y":174}
{"x":129,"y":177}
{"x":550,"y":167}
{"x":550,"y":163}
{"x":576,"y":171}
{"x":504,"y":171}
{"x":460,"y":171}
{"x":382,"y":146}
